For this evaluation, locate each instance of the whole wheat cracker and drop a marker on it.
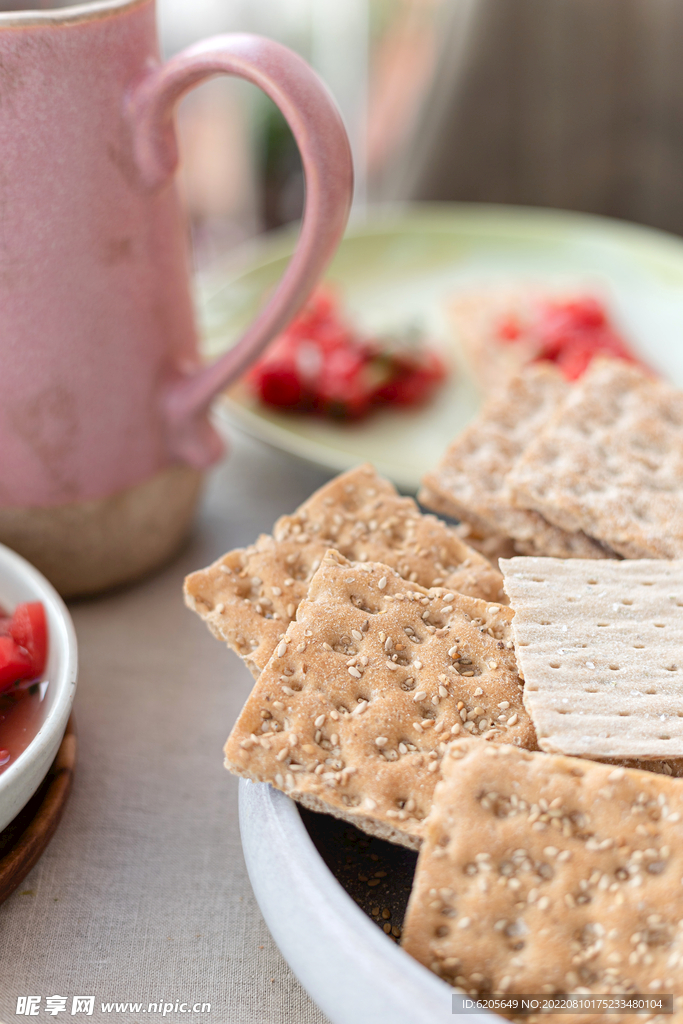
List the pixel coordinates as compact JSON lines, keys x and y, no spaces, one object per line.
{"x":249,"y":596}
{"x":470,"y":481}
{"x":600,"y":646}
{"x":353,"y":711}
{"x":548,"y":874}
{"x":610,"y":462}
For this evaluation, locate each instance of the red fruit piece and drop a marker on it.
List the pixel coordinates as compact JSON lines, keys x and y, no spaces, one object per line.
{"x":28,"y":629}
{"x":414,"y":381}
{"x":15,"y":663}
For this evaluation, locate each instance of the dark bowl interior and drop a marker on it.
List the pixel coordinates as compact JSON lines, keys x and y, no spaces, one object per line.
{"x":377,"y":875}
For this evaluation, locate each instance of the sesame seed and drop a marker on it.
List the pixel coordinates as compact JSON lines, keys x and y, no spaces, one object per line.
{"x":420,"y":695}
{"x":382,"y":583}
{"x":275,"y":591}
{"x":353,"y":671}
{"x":319,"y":722}
{"x":282,"y":649}
{"x":381,"y":741}
{"x":512,"y":720}
{"x":357,"y":635}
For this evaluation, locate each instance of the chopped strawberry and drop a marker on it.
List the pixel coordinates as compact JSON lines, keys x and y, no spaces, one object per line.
{"x":321,"y":364}
{"x":28,"y":629}
{"x":567,"y":332}
{"x":15,"y":663}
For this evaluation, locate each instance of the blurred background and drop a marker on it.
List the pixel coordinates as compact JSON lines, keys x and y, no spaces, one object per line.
{"x":565,"y":103}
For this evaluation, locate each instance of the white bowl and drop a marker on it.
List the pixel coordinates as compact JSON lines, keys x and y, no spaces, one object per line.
{"x":351,"y":969}
{"x":19,"y":582}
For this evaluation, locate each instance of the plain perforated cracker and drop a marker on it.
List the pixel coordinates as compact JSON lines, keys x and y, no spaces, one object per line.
{"x":610,"y":462}
{"x":600,"y":645}
{"x":470,"y":481}
{"x":369,"y":684}
{"x":249,"y":596}
{"x":547,"y":874}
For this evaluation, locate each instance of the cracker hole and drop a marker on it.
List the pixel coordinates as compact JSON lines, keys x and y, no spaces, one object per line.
{"x":359,"y":603}
{"x":603,"y":623}
{"x":614,"y":668}
{"x":647,"y":583}
{"x":587,"y":689}
{"x":555,"y":664}
{"x":537,"y":579}
{"x":592,"y":582}
{"x":660,"y":625}
{"x":639,"y":647}
{"x":671,"y":668}
{"x":663,"y":737}
{"x":627,"y":600}
{"x":650,"y":693}
{"x":624,"y":714}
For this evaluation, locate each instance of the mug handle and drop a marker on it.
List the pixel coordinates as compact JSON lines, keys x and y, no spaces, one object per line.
{"x":319,"y":132}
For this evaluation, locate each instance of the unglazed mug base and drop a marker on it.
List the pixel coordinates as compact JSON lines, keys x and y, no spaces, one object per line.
{"x":86,"y":547}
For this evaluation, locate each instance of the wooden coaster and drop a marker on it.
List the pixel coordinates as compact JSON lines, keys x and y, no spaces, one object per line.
{"x":25,"y":838}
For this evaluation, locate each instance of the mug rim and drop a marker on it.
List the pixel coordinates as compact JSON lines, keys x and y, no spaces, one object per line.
{"x":67,"y":15}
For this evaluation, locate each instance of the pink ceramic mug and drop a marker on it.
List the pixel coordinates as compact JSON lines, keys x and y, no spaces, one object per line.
{"x":103,"y":404}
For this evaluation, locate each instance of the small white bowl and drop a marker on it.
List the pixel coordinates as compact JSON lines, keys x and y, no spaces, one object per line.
{"x":351,"y":969}
{"x":19,"y":582}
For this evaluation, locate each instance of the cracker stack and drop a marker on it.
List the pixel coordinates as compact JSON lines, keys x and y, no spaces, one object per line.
{"x":609,"y":461}
{"x":545,"y":874}
{"x":470,"y":482}
{"x":353,"y":713}
{"x":600,"y":646}
{"x":249,"y":597}
{"x":589,"y":470}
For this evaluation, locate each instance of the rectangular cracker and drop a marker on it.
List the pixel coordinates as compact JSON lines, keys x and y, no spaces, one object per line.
{"x":548,"y":874}
{"x":470,"y":481}
{"x":369,"y":683}
{"x":600,"y":646}
{"x":610,"y":462}
{"x":249,"y":596}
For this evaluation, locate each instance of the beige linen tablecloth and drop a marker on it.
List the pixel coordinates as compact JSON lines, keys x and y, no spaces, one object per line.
{"x":143,"y":895}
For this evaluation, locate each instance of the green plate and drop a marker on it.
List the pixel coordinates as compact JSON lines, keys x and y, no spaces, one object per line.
{"x":402,"y":266}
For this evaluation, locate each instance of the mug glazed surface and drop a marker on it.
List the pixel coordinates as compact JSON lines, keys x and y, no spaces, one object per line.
{"x":103,"y":405}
